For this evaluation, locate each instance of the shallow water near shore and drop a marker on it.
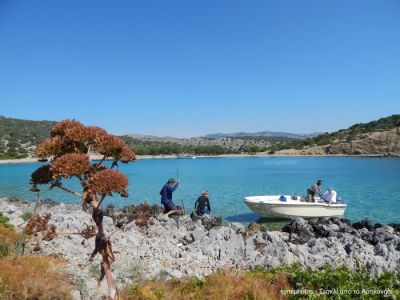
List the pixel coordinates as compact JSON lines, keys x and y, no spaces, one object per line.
{"x":370,"y":186}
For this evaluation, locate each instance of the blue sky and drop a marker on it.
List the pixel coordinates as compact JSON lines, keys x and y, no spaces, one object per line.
{"x":187,"y":68}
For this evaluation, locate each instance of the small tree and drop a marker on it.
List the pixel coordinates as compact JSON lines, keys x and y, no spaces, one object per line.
{"x":68,"y":151}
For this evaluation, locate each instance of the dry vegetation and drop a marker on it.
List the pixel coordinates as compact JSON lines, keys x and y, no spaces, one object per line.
{"x":226,"y":284}
{"x":9,"y":238}
{"x":29,"y":277}
{"x":39,"y":225}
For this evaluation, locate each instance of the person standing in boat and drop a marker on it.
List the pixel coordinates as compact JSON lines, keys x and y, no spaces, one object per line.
{"x":166,"y":196}
{"x":330,"y":195}
{"x":201,"y":204}
{"x":313,"y":190}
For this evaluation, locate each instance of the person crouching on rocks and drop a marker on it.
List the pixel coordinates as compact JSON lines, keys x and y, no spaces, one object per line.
{"x":166,"y":196}
{"x":201,"y":204}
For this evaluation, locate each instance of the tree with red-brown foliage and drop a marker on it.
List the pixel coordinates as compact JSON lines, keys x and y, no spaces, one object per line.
{"x":67,"y":152}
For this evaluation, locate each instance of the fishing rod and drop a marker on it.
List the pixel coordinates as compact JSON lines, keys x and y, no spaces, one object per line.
{"x":180,"y":191}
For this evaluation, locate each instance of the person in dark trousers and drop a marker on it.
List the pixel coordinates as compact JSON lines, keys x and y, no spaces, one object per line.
{"x":166,"y":196}
{"x":201,"y":204}
{"x":313,"y":190}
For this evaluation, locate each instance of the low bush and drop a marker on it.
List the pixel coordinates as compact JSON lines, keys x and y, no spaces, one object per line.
{"x":225,"y":284}
{"x":4,"y":221}
{"x":9,"y":238}
{"x":26,"y":216}
{"x":343,"y":283}
{"x":29,"y":277}
{"x":280,"y":283}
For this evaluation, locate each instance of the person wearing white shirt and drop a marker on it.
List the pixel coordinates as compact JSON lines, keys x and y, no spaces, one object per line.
{"x":330,"y":195}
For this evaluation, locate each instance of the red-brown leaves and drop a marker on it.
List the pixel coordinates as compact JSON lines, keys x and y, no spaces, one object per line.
{"x":109,"y":145}
{"x":71,"y":136}
{"x":70,"y":164}
{"x":85,"y":133}
{"x":60,"y":128}
{"x":69,"y":147}
{"x":49,"y":147}
{"x":127,"y":155}
{"x":108,"y":181}
{"x":42,"y":175}
{"x":39,"y":224}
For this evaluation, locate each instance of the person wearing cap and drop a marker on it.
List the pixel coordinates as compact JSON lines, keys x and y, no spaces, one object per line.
{"x":166,"y":196}
{"x":313,"y":190}
{"x":330,"y":195}
{"x":201,"y":204}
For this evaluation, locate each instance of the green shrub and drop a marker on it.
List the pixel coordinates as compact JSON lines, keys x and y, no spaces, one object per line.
{"x":355,"y":284}
{"x":26,"y":216}
{"x":4,"y":221}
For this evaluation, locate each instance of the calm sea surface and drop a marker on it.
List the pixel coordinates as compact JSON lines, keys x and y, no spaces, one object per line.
{"x":370,"y":186}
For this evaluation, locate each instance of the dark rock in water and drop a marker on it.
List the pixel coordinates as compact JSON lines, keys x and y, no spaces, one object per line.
{"x":322,"y":228}
{"x":364,"y":224}
{"x":210,"y":221}
{"x":331,"y":227}
{"x":344,"y":225}
{"x":300,"y":231}
{"x":395,"y":226}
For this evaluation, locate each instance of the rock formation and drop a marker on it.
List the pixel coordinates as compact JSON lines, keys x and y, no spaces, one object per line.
{"x":180,"y":246}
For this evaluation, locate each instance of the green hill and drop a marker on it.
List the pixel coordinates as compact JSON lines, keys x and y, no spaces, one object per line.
{"x":18,"y":137}
{"x":356,"y":132}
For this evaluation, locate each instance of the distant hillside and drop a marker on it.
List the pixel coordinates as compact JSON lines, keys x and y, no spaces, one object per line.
{"x":380,"y":137}
{"x":263,"y":134}
{"x":201,"y":145}
{"x":151,"y":145}
{"x":19,"y":137}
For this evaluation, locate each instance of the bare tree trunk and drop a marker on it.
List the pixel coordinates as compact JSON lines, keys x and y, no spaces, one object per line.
{"x":103,"y":247}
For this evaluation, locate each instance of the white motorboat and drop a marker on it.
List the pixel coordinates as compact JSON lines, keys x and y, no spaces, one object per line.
{"x":286,"y":206}
{"x":185,"y":156}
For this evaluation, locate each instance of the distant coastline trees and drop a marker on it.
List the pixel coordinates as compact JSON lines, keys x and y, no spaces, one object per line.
{"x":18,"y":138}
{"x":159,"y":148}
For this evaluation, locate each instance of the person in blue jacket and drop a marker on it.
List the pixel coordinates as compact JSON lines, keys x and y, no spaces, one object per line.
{"x":166,"y":196}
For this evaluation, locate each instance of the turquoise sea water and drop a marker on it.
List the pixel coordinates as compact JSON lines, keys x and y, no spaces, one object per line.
{"x":370,"y":186}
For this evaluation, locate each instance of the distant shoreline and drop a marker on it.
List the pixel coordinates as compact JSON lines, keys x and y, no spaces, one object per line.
{"x":139,"y":157}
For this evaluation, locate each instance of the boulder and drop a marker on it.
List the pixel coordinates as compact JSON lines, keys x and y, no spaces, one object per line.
{"x":300,"y":231}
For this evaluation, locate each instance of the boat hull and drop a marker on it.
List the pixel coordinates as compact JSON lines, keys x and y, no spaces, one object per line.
{"x":272,"y":207}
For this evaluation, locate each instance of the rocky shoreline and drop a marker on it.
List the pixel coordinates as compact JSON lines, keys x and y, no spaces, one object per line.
{"x":160,"y":247}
